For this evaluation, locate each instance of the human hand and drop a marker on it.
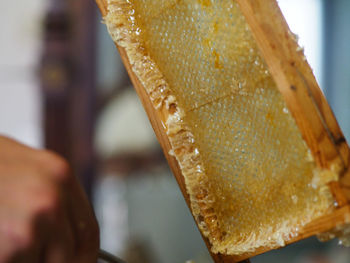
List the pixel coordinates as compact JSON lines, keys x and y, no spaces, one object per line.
{"x":44,"y":214}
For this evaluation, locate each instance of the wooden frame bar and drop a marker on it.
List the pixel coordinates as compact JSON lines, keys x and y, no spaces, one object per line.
{"x":298,"y":85}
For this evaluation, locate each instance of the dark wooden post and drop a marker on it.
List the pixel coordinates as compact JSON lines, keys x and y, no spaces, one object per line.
{"x":68,"y":83}
{"x":83,"y":95}
{"x":56,"y":75}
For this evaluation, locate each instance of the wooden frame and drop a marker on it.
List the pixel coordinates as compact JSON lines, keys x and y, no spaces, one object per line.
{"x":304,"y":99}
{"x":298,"y":85}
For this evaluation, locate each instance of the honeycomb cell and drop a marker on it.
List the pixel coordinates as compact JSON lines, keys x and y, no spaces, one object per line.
{"x":247,"y":169}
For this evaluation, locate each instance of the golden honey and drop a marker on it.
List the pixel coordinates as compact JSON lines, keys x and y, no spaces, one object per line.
{"x":247,"y":169}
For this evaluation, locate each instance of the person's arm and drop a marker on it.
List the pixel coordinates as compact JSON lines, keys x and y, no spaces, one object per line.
{"x":44,"y":213}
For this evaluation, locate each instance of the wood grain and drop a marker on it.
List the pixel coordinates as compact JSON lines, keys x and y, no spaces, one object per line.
{"x":296,"y":82}
{"x":304,"y":99}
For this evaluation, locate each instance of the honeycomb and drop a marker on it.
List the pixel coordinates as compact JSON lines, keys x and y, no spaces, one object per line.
{"x":251,"y":178}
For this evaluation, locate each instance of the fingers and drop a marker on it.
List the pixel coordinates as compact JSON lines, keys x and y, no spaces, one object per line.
{"x":84,"y":223}
{"x":14,"y":153}
{"x":29,"y":255}
{"x":44,"y":213}
{"x":10,"y":245}
{"x":53,"y":241}
{"x":61,"y":244}
{"x":19,"y":212}
{"x":48,"y":237}
{"x":55,"y":166}
{"x":17,"y":159}
{"x":79,"y":211}
{"x":17,"y":236}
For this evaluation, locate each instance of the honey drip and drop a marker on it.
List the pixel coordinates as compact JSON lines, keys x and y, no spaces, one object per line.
{"x":247,"y":169}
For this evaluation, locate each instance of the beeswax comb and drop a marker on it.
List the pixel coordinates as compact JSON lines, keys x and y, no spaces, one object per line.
{"x":249,"y":136}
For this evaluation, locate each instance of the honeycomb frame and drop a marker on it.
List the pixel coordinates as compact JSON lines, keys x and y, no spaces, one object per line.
{"x":168,"y":110}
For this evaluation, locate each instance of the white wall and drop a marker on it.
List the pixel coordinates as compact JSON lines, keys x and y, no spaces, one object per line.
{"x":20,"y":111}
{"x":305,"y":19}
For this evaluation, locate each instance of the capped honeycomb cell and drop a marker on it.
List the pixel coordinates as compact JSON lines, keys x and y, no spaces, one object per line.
{"x":250,"y":176}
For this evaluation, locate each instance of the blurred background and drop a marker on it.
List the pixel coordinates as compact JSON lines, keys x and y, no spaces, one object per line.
{"x":63,"y":87}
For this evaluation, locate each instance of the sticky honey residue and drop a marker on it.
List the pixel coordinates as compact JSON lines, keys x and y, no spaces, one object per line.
{"x":248,"y":172}
{"x":217,"y":63}
{"x":205,"y":3}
